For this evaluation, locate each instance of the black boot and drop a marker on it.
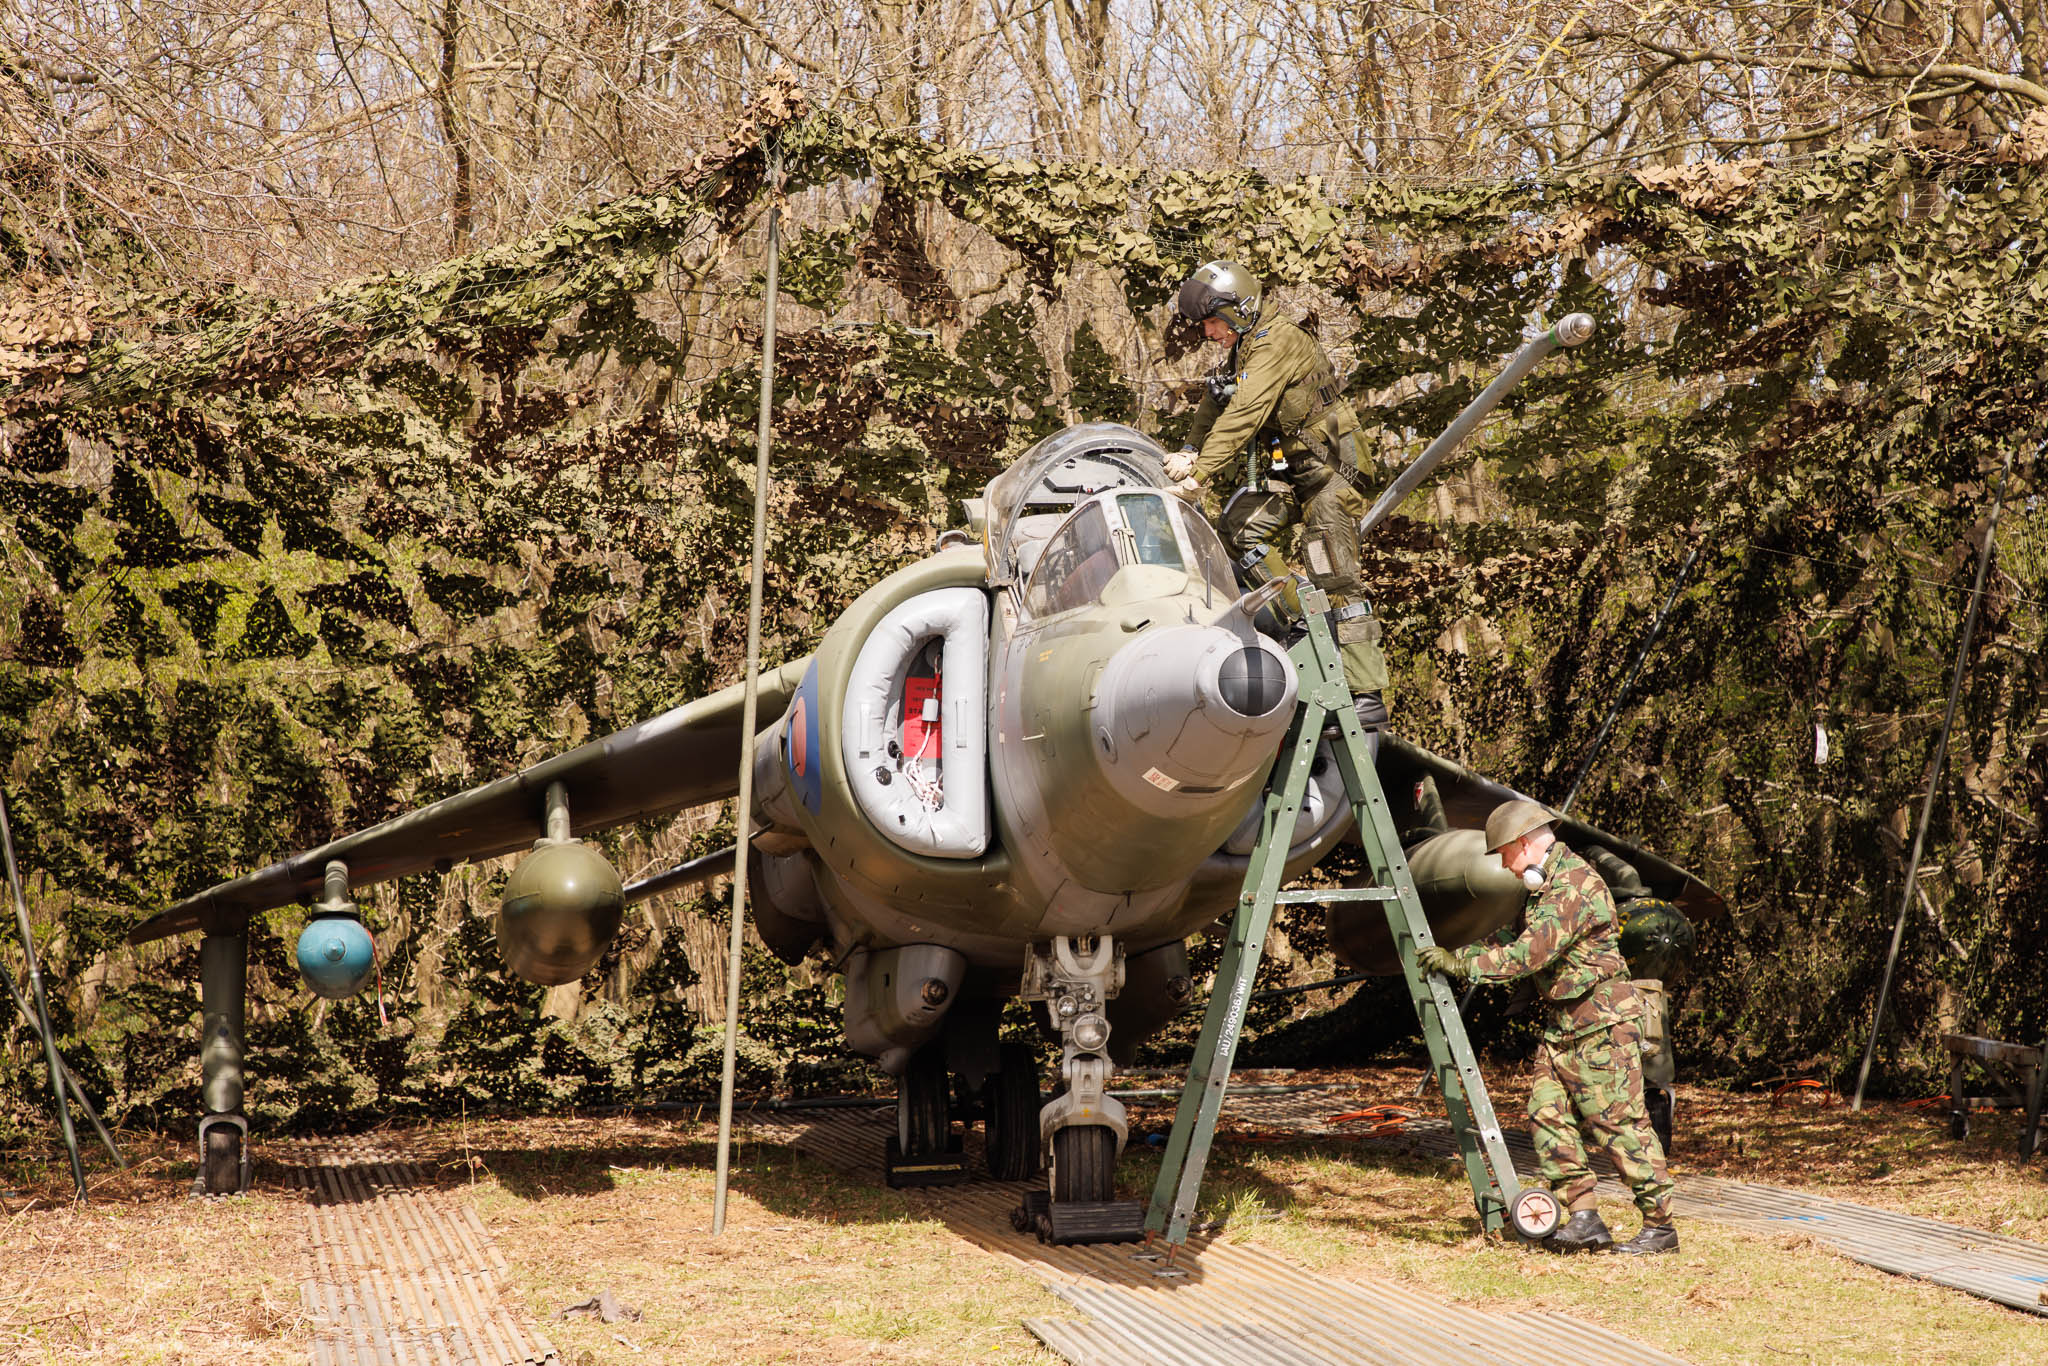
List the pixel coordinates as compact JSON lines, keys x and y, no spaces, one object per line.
{"x":1653,"y":1238}
{"x":1585,"y":1231}
{"x":1371,"y":710}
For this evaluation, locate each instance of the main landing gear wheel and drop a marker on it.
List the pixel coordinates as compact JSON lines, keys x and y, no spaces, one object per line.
{"x":1013,"y":1152}
{"x":924,"y":1108}
{"x":1535,"y":1214}
{"x":1083,"y":1163}
{"x":223,"y":1160}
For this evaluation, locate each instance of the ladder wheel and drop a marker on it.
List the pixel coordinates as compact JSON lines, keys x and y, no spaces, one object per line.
{"x":1013,"y":1152}
{"x":1535,"y":1214}
{"x":223,"y":1160}
{"x":1083,"y":1163}
{"x":924,"y":1112}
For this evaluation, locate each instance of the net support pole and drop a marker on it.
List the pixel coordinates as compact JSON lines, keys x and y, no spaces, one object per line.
{"x":1571,"y":329}
{"x":42,"y":1004}
{"x":78,"y":1095}
{"x":1948,"y":720}
{"x":752,"y":696}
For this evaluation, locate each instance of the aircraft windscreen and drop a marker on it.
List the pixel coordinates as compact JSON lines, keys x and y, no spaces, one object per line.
{"x":1078,"y":561}
{"x":1151,"y":530}
{"x":1211,"y":559}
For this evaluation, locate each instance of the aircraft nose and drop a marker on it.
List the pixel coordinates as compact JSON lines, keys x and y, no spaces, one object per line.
{"x":1193,"y":710}
{"x":1252,"y":682}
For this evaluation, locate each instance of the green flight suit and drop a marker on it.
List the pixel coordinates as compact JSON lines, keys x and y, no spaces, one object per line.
{"x":1589,"y":1070}
{"x":1287,"y":397}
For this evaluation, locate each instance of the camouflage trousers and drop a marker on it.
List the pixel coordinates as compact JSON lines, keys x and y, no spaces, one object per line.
{"x":1595,"y":1082}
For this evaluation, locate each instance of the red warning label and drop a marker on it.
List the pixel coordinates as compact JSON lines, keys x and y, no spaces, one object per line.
{"x":920,"y":736}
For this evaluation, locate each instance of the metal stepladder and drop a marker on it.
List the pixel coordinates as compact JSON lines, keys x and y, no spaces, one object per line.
{"x":1530,"y":1212}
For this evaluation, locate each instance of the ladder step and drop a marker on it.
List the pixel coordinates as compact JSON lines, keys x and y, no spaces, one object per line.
{"x":1322,"y":895}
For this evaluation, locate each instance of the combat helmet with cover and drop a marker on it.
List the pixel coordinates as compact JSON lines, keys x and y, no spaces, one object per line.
{"x":1512,"y":820}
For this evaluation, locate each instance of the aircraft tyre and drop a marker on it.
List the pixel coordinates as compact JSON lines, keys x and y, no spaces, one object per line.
{"x":1083,"y":1163}
{"x":924,"y":1111}
{"x":1013,"y":1152}
{"x":223,"y":1160}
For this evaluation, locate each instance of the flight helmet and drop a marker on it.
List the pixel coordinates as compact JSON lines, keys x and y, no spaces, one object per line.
{"x":1221,"y":289}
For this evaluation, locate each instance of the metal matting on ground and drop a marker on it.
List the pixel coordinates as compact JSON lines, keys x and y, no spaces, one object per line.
{"x":1234,"y":1305}
{"x":2010,"y":1270}
{"x":398,"y":1273}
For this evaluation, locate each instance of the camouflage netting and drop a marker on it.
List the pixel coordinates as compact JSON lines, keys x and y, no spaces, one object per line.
{"x":276,"y":572}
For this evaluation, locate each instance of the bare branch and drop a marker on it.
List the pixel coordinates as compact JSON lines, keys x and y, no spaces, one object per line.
{"x":1866,"y":70}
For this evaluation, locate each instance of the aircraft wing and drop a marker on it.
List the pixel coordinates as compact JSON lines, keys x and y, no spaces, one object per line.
{"x":684,"y":757}
{"x":1468,"y":798}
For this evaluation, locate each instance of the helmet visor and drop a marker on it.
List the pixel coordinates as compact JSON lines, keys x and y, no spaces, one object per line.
{"x":1199,"y":299}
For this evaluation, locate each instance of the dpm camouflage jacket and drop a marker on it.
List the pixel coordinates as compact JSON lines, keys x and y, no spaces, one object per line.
{"x":1570,"y":944}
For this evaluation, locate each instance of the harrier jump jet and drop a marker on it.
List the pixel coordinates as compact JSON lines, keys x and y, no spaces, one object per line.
{"x":1028,"y":765}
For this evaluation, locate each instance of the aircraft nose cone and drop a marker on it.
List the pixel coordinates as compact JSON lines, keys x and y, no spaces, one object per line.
{"x":1251,"y":682}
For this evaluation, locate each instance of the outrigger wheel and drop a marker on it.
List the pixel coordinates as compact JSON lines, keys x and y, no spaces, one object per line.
{"x":223,"y":1160}
{"x":1535,"y":1214}
{"x":223,"y":1155}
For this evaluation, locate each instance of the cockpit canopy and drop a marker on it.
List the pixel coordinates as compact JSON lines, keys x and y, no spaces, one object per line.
{"x":1025,"y":502}
{"x":1080,"y":518}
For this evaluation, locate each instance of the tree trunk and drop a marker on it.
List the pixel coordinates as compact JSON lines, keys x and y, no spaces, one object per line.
{"x":448,"y":29}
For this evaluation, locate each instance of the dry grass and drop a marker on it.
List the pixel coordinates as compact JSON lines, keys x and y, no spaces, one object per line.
{"x":143,"y":1273}
{"x":816,"y":1266}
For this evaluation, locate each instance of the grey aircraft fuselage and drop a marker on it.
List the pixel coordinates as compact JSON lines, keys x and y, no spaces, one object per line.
{"x":1128,"y":712}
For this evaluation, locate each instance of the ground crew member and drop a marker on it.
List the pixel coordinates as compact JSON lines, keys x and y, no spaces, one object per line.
{"x":1279,"y":391}
{"x":1589,"y":1071}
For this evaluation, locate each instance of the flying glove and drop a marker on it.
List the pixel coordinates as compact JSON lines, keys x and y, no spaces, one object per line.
{"x":1180,"y":467}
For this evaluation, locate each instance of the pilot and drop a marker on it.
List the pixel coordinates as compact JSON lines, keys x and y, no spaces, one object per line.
{"x":1589,"y":1071}
{"x":1278,"y":396}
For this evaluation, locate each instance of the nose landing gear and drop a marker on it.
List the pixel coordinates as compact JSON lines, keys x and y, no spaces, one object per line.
{"x":1084,"y":1126}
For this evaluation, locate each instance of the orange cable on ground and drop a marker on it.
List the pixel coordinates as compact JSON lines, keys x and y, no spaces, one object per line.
{"x":1803,"y":1085}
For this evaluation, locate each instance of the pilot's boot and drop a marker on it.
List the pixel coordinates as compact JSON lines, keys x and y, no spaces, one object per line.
{"x":1585,"y":1231}
{"x":1371,"y":710}
{"x":1653,"y":1238}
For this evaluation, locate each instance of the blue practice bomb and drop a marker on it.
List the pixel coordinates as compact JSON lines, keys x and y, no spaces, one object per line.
{"x":335,"y":956}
